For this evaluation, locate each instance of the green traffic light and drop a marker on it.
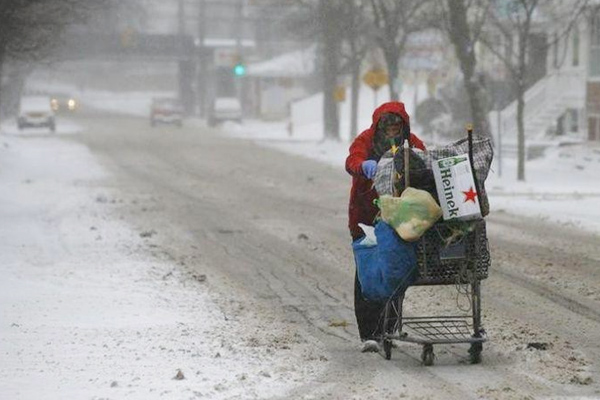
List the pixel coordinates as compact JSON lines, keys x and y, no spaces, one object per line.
{"x":239,"y":70}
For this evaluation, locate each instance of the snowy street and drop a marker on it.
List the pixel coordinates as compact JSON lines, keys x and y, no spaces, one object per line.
{"x":185,"y":263}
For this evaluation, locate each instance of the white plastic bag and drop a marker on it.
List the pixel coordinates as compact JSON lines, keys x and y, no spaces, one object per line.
{"x":370,"y":239}
{"x":411,"y":214}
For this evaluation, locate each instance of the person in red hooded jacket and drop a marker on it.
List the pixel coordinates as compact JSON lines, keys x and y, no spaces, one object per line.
{"x":391,"y":124}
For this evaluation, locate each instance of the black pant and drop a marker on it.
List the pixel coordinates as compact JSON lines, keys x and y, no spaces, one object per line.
{"x":369,"y":314}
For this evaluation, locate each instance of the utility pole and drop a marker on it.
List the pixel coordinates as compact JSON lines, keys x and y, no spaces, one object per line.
{"x":180,"y":18}
{"x":180,"y":33}
{"x":239,"y":49}
{"x":186,"y":63}
{"x":202,"y":62}
{"x":331,"y":53}
{"x":239,"y":28}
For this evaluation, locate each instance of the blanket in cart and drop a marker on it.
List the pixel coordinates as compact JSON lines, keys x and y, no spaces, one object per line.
{"x":387,"y":268}
{"x":421,"y":173}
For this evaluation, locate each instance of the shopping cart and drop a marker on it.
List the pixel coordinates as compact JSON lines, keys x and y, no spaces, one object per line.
{"x":449,"y":253}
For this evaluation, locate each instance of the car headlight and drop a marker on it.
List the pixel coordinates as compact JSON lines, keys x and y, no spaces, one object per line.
{"x":72,"y":104}
{"x":54,"y":104}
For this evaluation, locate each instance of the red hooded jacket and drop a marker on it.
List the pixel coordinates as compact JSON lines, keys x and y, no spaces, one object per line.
{"x":361,"y":207}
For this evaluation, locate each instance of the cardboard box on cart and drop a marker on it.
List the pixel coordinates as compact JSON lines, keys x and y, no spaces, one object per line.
{"x":456,"y":188}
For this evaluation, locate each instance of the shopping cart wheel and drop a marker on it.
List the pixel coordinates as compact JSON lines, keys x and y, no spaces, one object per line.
{"x":427,"y":355}
{"x":387,"y":348}
{"x":475,"y":353}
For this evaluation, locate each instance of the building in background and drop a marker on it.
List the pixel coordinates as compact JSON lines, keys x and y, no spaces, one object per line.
{"x":198,"y":50}
{"x":563,"y":95}
{"x":279,"y":81}
{"x":229,"y":35}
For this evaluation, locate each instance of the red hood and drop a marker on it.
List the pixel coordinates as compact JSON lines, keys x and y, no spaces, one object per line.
{"x":394,"y":107}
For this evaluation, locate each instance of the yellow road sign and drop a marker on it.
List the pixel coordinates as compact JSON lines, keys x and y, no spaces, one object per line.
{"x":128,"y":38}
{"x":375,"y":78}
{"x":339,"y":94}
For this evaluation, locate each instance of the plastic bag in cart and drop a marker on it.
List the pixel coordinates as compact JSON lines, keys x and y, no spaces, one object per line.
{"x":411,"y":214}
{"x":386,"y":268}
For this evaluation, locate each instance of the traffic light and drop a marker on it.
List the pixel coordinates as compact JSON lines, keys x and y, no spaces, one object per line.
{"x":239,"y":69}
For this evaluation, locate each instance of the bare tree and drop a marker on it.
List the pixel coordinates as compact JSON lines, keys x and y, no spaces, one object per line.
{"x":515,"y":22}
{"x":321,"y":20}
{"x":393,"y":22}
{"x":30,"y":29}
{"x":331,"y":45}
{"x":355,"y":31}
{"x":464,"y":23}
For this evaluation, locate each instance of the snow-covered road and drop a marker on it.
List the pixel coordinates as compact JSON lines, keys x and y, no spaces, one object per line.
{"x":129,"y":254}
{"x":93,"y":308}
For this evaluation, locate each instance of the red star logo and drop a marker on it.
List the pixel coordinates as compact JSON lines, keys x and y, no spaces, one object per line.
{"x":470,"y":195}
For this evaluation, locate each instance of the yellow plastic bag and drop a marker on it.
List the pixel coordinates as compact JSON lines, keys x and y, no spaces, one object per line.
{"x":411,"y":214}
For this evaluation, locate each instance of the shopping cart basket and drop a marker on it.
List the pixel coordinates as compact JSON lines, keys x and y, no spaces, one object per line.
{"x":448,"y":254}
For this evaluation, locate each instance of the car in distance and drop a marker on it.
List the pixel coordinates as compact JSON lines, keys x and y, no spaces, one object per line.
{"x":61,"y":103}
{"x":166,"y":110}
{"x":36,"y":111}
{"x":225,"y":109}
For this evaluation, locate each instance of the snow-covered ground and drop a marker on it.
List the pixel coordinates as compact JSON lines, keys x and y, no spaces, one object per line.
{"x":87,"y":311}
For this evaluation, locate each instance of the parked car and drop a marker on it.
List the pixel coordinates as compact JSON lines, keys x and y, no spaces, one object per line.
{"x":166,"y":110}
{"x":36,"y":111}
{"x":225,"y":109}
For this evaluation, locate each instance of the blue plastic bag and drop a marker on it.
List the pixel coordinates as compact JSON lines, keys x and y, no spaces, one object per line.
{"x":387,"y":268}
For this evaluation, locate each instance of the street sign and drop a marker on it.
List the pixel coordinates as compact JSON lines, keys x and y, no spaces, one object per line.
{"x":375,"y":78}
{"x":226,"y":57}
{"x":339,"y":94}
{"x":128,"y":38}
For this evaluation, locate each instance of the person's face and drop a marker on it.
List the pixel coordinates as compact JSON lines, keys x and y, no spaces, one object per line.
{"x":392,"y":131}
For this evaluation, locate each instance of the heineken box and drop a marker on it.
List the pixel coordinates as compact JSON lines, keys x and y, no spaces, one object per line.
{"x":456,"y":188}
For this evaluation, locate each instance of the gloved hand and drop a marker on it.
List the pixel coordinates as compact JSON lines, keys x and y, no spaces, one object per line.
{"x":369,"y":168}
